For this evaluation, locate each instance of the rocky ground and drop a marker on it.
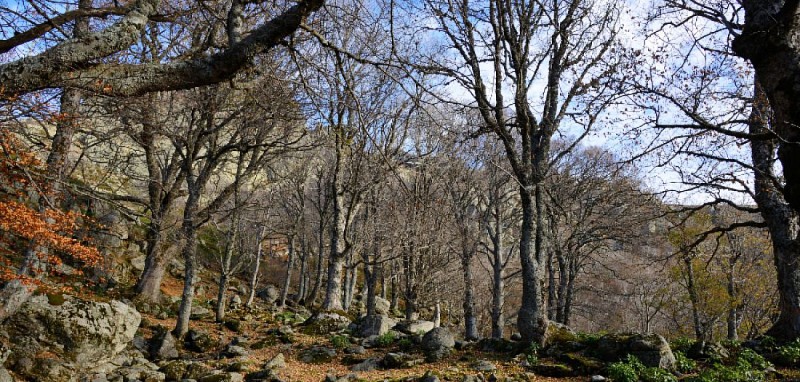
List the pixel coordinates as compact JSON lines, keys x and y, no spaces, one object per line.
{"x":108,"y":337}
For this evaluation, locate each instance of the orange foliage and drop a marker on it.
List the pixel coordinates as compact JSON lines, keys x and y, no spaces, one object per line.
{"x":27,"y":224}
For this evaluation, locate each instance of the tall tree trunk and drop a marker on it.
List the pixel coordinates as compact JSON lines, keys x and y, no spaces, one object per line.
{"x":225,"y":272}
{"x":148,"y":287}
{"x":333,"y":289}
{"x":551,"y":288}
{"x":190,"y":262}
{"x":289,"y":265}
{"x":371,"y":279}
{"x":312,"y":296}
{"x":254,"y":275}
{"x":301,"y":289}
{"x":699,"y":333}
{"x":733,"y":316}
{"x":781,"y":218}
{"x":563,"y":280}
{"x":437,"y":314}
{"x":532,"y":319}
{"x":470,"y":320}
{"x":395,"y":291}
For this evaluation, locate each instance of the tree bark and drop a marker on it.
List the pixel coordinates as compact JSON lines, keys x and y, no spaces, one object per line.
{"x":531,"y":319}
{"x":470,"y":320}
{"x":254,"y":275}
{"x":289,"y":265}
{"x":780,"y":216}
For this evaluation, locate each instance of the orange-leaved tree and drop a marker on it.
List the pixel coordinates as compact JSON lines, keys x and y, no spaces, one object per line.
{"x":35,"y":235}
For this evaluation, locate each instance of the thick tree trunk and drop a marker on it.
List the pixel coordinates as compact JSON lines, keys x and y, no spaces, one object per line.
{"x":532,"y":319}
{"x":371,"y":279}
{"x":470,"y":320}
{"x":437,"y":314}
{"x":222,"y":287}
{"x":289,"y":265}
{"x":312,"y":296}
{"x":781,"y":218}
{"x":148,"y":287}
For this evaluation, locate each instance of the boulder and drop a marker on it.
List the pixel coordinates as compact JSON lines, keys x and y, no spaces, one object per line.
{"x":483,"y":365}
{"x":652,"y":349}
{"x":382,"y":306}
{"x":325,"y":323}
{"x":269,"y":294}
{"x":414,"y":326}
{"x":375,"y":325}
{"x":437,"y":344}
{"x":199,"y":341}
{"x":79,"y":335}
{"x":317,"y":354}
{"x":557,"y":333}
{"x":397,"y":361}
{"x":277,"y":362}
{"x":235,"y":302}
{"x":368,"y":364}
{"x":164,"y":346}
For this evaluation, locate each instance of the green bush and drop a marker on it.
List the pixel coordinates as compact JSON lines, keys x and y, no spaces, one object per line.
{"x":622,"y":372}
{"x":405,"y":344}
{"x":682,"y":344}
{"x":789,"y":354}
{"x":340,"y":342}
{"x":683,"y":363}
{"x":655,"y":374}
{"x":723,"y":373}
{"x":626,"y":371}
{"x":385,"y":340}
{"x":747,"y":358}
{"x":532,"y":354}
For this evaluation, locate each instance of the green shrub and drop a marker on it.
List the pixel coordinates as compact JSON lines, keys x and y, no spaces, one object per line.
{"x":590,"y":339}
{"x":683,"y":363}
{"x":747,"y":358}
{"x":656,"y":374}
{"x":340,"y":342}
{"x":622,"y":372}
{"x":385,"y":340}
{"x":532,"y":354}
{"x":789,"y":354}
{"x":405,"y":344}
{"x":626,"y":371}
{"x":723,"y":373}
{"x":682,"y":344}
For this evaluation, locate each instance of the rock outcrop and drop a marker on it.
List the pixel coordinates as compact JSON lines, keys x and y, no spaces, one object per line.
{"x":56,"y":339}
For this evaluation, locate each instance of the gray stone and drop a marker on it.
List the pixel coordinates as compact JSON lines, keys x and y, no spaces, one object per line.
{"x":235,"y":351}
{"x":429,"y":377}
{"x":325,"y":323}
{"x":164,"y":346}
{"x":199,"y":341}
{"x":317,"y":354}
{"x":483,"y":365}
{"x":437,"y":344}
{"x":5,"y":376}
{"x":382,"y":306}
{"x":277,"y":362}
{"x":652,"y":349}
{"x":597,"y":378}
{"x":138,"y":262}
{"x":368,"y":364}
{"x":198,"y":312}
{"x":397,"y":361}
{"x":269,"y":294}
{"x":235,"y":301}
{"x":414,"y":326}
{"x":81,"y":335}
{"x":355,"y":349}
{"x":375,"y":325}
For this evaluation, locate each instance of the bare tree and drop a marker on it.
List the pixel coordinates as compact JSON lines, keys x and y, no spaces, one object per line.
{"x":499,"y":49}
